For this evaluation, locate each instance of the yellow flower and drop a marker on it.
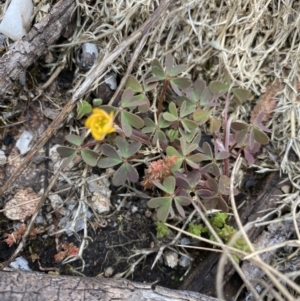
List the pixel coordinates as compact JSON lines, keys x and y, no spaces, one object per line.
{"x":100,"y":123}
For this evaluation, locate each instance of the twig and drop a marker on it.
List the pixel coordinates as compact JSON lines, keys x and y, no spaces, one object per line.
{"x":29,"y":226}
{"x":91,"y":77}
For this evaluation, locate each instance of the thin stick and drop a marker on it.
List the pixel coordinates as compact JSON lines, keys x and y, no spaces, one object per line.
{"x":29,"y":226}
{"x":91,"y":77}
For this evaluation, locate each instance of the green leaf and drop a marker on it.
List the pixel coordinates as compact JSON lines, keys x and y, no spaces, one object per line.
{"x":198,"y":89}
{"x":164,"y":210}
{"x":133,"y":83}
{"x":83,"y":108}
{"x":188,"y":125}
{"x":169,"y":184}
{"x":241,"y":95}
{"x":74,"y":139}
{"x":238,"y":126}
{"x":260,"y":136}
{"x":89,"y":157}
{"x":136,"y":121}
{"x":97,"y":102}
{"x":241,"y":136}
{"x":207,"y":150}
{"x":123,"y":146}
{"x":128,"y":120}
{"x":181,"y":82}
{"x":68,"y":160}
{"x":157,"y":202}
{"x":157,"y":69}
{"x":169,"y":117}
{"x":173,"y":109}
{"x":127,"y":97}
{"x":181,"y":201}
{"x":65,"y":151}
{"x":214,"y":125}
{"x":217,"y":87}
{"x":224,"y":185}
{"x":137,"y":100}
{"x":177,"y":70}
{"x":201,"y":116}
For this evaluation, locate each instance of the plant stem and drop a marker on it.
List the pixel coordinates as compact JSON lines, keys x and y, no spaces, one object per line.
{"x":162,"y":96}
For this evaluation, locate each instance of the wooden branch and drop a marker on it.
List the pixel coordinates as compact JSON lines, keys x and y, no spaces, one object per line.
{"x":26,"y":51}
{"x":19,"y":285}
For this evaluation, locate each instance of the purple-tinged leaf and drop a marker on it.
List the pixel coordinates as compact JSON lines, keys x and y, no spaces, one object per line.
{"x":134,"y":147}
{"x":212,"y":185}
{"x":132,"y":174}
{"x":249,"y":157}
{"x":120,"y":176}
{"x":89,"y":157}
{"x":108,"y":162}
{"x":222,"y":205}
{"x":133,"y":83}
{"x":211,"y":204}
{"x":157,"y":69}
{"x":109,"y":151}
{"x":205,"y":193}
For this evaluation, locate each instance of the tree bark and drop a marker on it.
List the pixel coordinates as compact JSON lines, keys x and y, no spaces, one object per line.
{"x":23,"y":53}
{"x":19,"y":285}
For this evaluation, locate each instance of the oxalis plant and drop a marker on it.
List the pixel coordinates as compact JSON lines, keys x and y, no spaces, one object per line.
{"x":189,"y":125}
